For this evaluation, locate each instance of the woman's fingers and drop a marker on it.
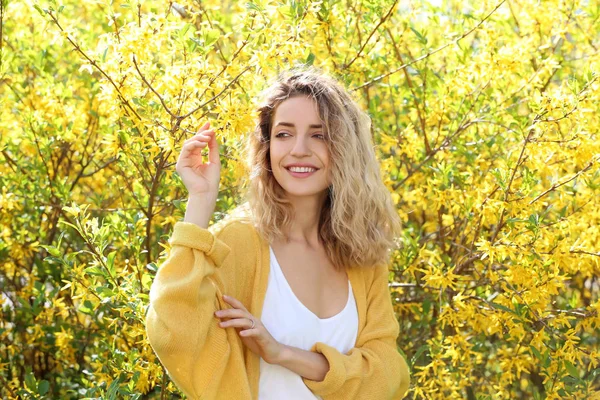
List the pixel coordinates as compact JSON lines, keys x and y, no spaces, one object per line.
{"x":188,"y":147}
{"x":204,"y":136}
{"x":233,"y":301}
{"x":195,"y":141}
{"x":236,"y":323}
{"x":213,"y":149}
{"x":239,"y":316}
{"x":208,"y":137}
{"x":249,"y":332}
{"x":232,"y":313}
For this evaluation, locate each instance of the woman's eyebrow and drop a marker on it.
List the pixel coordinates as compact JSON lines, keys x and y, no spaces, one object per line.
{"x":293,"y":126}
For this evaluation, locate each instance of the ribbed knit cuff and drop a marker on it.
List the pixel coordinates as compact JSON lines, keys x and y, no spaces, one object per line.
{"x":191,"y":235}
{"x":335,"y":377}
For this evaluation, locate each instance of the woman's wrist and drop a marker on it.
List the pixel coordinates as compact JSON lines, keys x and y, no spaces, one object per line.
{"x":308,"y":364}
{"x":199,"y":209}
{"x":282,"y":355}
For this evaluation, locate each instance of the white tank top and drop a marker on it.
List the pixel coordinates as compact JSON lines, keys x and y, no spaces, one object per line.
{"x":292,"y":324}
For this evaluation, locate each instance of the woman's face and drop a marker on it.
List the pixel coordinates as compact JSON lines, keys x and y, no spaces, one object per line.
{"x":297,"y":137}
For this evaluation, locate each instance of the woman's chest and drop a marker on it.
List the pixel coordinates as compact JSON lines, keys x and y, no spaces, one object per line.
{"x":313,"y":279}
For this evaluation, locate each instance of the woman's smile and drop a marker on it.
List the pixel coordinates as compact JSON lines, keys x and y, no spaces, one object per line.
{"x":297,"y":174}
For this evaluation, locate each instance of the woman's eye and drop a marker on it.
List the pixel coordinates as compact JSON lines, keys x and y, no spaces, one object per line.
{"x":280,"y":134}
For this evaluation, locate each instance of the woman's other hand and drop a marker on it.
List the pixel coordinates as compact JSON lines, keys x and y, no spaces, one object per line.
{"x":257,"y":339}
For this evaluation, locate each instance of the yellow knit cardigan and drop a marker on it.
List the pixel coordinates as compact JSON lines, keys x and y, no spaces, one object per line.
{"x":209,"y":362}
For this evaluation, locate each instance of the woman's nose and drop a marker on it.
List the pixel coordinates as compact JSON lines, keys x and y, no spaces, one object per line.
{"x":300,"y":147}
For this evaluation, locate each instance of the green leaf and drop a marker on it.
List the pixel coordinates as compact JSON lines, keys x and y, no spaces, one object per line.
{"x":286,"y":10}
{"x":418,"y":353}
{"x":104,"y":292}
{"x":571,"y":369}
{"x":426,"y":306}
{"x":211,"y":36}
{"x":30,"y":382}
{"x":536,"y":352}
{"x":419,"y":35}
{"x":43,"y":387}
{"x":183,"y":31}
{"x":69,"y":224}
{"x":110,"y":263}
{"x":86,"y":307}
{"x":111,"y":392}
{"x":547,"y":359}
{"x":251,"y":6}
{"x":39,"y":9}
{"x":146,"y":281}
{"x":96,"y":271}
{"x":501,"y":307}
{"x":56,"y":260}
{"x":152,"y":267}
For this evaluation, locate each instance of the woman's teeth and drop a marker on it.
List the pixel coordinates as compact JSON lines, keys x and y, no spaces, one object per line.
{"x":296,"y":169}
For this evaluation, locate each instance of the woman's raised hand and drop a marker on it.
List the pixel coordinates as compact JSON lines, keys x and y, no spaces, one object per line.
{"x":200,"y":178}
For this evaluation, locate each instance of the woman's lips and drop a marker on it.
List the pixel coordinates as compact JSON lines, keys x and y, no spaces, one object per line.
{"x":301,"y":174}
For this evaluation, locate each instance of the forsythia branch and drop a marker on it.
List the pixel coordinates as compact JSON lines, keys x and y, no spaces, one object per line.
{"x":557,"y":185}
{"x":94,"y":64}
{"x":162,"y":101}
{"x":381,"y":21}
{"x":380,"y":77}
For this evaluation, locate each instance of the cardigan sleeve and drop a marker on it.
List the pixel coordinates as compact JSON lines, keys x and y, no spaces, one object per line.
{"x":374,"y":369}
{"x":180,"y":322}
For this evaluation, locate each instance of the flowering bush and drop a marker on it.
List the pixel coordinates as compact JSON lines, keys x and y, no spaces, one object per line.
{"x":485,"y":119}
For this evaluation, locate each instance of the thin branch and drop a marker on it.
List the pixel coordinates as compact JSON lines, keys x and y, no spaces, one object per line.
{"x":412,"y":90}
{"x":1,"y":29}
{"x":93,"y":63}
{"x":557,"y":185}
{"x":433,"y":152}
{"x":455,"y":41}
{"x":106,"y":164}
{"x":215,"y":96}
{"x":590,"y":253}
{"x":152,"y":89}
{"x":12,"y":162}
{"x":381,"y":21}
{"x":521,"y":159}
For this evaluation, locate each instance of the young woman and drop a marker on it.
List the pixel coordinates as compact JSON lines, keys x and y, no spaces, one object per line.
{"x":287,"y":298}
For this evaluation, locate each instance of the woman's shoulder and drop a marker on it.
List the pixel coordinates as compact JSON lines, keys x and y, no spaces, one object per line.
{"x":372,"y":276}
{"x":236,"y":224}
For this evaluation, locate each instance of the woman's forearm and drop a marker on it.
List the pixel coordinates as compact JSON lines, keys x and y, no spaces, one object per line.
{"x":310,"y":365}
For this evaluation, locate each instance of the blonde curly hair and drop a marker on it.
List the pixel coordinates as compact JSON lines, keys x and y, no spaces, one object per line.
{"x":358,"y":222}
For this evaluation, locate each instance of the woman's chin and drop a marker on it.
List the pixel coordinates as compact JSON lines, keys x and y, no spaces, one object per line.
{"x":303,"y":192}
